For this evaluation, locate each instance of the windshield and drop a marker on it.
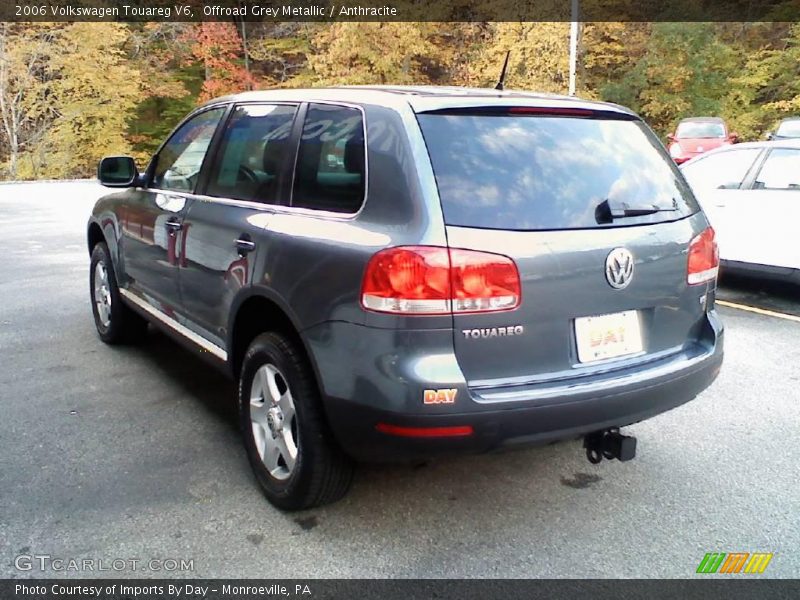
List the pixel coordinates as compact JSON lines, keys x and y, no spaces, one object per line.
{"x":545,"y":172}
{"x":789,"y":128}
{"x":700,"y":130}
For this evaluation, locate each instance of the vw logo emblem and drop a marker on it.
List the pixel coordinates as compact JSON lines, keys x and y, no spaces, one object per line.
{"x":619,"y":268}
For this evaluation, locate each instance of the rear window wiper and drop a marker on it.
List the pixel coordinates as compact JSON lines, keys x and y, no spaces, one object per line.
{"x":607,"y":212}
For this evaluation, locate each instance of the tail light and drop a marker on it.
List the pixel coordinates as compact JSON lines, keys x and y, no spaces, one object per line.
{"x":703,"y":258}
{"x":429,"y":280}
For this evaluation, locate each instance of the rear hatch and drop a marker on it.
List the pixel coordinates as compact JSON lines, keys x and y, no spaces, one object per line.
{"x":571,"y":196}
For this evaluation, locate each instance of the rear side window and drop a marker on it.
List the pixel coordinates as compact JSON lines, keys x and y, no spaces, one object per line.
{"x":254,"y":151}
{"x":781,"y":171}
{"x":533,"y":172}
{"x":330,"y":171}
{"x":723,"y":170}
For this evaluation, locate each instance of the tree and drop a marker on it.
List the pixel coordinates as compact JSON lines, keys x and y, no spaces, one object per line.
{"x":684,"y":72}
{"x":767,"y":87}
{"x":539,"y":57}
{"x":217,"y":46}
{"x":25,"y":112}
{"x":608,"y":52}
{"x":377,"y":53}
{"x":94,"y":90}
{"x":170,"y":92}
{"x":282,"y":49}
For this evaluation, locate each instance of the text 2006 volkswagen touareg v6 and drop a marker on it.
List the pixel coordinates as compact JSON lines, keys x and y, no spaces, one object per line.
{"x":392,"y":273}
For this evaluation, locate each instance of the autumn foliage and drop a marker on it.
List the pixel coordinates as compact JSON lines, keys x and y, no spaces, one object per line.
{"x":218,"y":48}
{"x":73,"y":92}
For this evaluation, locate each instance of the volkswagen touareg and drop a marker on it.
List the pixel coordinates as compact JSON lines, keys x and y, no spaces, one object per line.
{"x":391,"y":273}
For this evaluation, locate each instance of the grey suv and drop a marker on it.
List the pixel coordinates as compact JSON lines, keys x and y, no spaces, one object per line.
{"x":392,"y":273}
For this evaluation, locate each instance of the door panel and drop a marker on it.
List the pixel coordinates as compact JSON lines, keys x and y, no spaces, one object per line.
{"x":152,"y":221}
{"x":761,"y":228}
{"x":223,"y":238}
{"x":214,"y":267}
{"x":761,"y":221}
{"x":716,"y":181}
{"x":151,"y":243}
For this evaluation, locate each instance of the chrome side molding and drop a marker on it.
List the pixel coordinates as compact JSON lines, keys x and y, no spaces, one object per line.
{"x":190,"y":335}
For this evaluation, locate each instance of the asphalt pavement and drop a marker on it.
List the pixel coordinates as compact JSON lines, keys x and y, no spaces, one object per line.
{"x":133,"y":453}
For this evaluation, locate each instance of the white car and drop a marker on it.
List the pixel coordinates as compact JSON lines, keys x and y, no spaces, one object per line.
{"x":751,"y":195}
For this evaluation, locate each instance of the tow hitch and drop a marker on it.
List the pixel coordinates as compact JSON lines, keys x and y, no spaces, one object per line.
{"x":609,"y":444}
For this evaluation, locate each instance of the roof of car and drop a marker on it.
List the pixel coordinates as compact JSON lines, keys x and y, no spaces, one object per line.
{"x":786,"y":143}
{"x":422,"y":98}
{"x":790,"y":119}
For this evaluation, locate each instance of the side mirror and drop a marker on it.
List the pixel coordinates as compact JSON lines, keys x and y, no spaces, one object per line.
{"x":671,"y":137}
{"x":118,"y":171}
{"x":770,"y":136}
{"x":734,"y":137}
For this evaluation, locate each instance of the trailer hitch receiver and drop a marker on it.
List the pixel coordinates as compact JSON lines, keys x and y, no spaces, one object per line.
{"x":609,"y":444}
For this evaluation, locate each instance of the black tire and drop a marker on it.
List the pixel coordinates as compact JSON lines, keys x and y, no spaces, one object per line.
{"x":321,"y":472}
{"x":123,"y":325}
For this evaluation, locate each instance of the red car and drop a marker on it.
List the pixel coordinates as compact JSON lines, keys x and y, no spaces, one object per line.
{"x":697,"y":135}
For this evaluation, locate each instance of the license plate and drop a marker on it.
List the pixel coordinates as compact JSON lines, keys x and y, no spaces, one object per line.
{"x":608,"y":336}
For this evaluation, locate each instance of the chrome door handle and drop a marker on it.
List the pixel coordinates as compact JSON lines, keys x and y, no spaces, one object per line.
{"x":173,"y":226}
{"x":245,"y":246}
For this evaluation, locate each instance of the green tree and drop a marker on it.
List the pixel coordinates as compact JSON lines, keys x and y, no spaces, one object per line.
{"x":768,"y":85}
{"x":685,"y":72}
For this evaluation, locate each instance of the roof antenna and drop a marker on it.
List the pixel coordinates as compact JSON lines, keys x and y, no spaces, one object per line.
{"x":501,"y":83}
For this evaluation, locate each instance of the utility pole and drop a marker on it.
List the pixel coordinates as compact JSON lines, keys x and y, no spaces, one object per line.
{"x":245,"y":49}
{"x":573,"y":48}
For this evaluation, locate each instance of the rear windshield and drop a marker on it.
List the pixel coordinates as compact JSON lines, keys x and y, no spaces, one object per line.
{"x":550,"y":172}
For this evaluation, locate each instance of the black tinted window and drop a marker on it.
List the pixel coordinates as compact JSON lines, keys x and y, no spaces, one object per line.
{"x":179,"y":161}
{"x":254,"y":150}
{"x":536,"y":172}
{"x":330,"y":169}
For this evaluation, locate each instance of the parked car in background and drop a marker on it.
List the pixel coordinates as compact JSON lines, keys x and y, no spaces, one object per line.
{"x":696,"y":135}
{"x":751,"y":194}
{"x":787,"y":129}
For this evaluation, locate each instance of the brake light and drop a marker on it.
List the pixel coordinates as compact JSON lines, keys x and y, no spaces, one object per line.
{"x":425,"y":432}
{"x":429,"y":280}
{"x":556,"y":111}
{"x":703,"y":258}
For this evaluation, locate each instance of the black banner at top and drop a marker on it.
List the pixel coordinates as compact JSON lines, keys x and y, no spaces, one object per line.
{"x":399,"y":10}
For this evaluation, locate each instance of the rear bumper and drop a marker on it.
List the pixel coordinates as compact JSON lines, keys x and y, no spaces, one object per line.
{"x":533,"y":418}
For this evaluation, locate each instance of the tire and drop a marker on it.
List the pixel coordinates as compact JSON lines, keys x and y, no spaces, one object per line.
{"x":116,"y":323}
{"x":289,"y":445}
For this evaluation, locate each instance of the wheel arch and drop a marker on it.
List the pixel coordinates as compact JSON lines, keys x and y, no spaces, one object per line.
{"x":255,"y":311}
{"x":94,"y":235}
{"x":103,"y":229}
